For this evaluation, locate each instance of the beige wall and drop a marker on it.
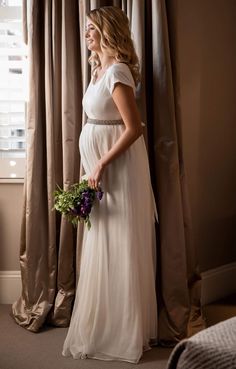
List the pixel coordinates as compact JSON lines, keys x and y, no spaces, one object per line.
{"x":11,"y":196}
{"x":203,"y":38}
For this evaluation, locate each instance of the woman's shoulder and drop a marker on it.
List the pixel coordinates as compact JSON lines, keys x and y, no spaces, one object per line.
{"x":119,"y":67}
{"x":120,"y":70}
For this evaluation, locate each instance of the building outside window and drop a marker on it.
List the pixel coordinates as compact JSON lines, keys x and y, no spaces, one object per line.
{"x":13,"y":91}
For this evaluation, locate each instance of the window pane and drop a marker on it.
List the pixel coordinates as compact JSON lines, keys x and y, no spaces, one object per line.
{"x":13,"y":93}
{"x":10,"y":2}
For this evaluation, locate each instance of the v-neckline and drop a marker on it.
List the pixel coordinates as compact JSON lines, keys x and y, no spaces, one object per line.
{"x":98,"y":80}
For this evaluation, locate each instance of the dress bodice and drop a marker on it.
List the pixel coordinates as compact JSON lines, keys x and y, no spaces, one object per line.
{"x":97,"y":101}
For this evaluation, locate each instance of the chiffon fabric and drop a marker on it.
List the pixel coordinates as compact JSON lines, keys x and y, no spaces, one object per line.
{"x":115,"y":312}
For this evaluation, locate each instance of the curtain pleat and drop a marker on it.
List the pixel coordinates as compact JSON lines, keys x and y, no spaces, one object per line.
{"x":176,"y":273}
{"x":174,"y":301}
{"x":50,"y":247}
{"x":48,"y":243}
{"x":24,"y":21}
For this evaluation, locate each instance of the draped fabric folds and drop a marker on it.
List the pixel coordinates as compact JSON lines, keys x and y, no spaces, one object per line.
{"x":50,"y":247}
{"x":47,"y":253}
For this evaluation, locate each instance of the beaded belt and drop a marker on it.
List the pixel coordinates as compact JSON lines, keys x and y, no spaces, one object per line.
{"x":105,"y":122}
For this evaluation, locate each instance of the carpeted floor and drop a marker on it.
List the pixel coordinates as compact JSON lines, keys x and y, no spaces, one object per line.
{"x":20,"y":349}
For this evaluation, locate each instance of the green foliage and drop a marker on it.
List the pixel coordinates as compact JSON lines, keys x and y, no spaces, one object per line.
{"x":68,"y":201}
{"x":65,"y":199}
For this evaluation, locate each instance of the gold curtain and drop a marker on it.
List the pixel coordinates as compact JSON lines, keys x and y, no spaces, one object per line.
{"x":48,"y":244}
{"x":178,"y":280}
{"x":50,"y":249}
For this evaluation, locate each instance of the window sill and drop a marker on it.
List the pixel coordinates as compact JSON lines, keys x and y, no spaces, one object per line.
{"x":11,"y":180}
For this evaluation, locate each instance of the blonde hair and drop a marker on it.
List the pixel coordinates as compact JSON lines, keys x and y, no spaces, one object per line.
{"x":113,"y":26}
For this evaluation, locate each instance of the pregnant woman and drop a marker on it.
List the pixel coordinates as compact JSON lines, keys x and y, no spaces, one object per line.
{"x":115,"y":312}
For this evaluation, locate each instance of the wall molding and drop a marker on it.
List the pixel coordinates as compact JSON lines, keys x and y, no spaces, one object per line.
{"x":218,"y":283}
{"x":10,"y":286}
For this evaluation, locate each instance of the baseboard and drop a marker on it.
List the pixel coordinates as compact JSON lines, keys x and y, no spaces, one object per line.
{"x":218,"y":283}
{"x":10,"y":286}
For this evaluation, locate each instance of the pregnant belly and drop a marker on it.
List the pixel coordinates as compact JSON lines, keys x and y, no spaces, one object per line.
{"x":95,"y":141}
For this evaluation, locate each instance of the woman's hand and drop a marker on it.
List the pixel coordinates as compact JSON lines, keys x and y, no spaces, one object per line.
{"x":96,"y":176}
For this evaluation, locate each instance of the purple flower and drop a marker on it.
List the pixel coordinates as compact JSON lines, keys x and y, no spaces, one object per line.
{"x":99,"y":194}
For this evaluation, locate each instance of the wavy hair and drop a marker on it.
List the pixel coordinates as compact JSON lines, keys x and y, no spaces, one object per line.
{"x":113,"y":26}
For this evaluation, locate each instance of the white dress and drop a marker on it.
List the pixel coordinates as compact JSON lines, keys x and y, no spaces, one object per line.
{"x":115,"y":311}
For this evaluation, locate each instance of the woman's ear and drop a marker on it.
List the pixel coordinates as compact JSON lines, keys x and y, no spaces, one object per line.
{"x":105,"y":40}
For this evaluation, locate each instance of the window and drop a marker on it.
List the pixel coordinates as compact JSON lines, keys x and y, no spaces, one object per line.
{"x":13,"y":91}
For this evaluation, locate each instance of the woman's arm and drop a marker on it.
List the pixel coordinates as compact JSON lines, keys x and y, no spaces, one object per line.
{"x":124,"y":99}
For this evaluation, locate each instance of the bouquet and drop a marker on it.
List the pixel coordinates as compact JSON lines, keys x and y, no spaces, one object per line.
{"x":76,"y":203}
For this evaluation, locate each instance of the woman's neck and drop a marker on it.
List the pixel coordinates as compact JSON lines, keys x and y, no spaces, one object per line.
{"x":106,"y":60}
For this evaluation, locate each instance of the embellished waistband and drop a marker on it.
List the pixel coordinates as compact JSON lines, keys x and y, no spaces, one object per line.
{"x":105,"y":122}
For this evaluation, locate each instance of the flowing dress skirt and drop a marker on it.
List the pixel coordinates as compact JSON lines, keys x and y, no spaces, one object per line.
{"x":115,"y":311}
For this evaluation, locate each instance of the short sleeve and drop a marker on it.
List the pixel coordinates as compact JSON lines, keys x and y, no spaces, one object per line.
{"x":119,"y":73}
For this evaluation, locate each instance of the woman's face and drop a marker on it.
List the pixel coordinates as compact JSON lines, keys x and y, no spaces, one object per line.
{"x":92,"y":36}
